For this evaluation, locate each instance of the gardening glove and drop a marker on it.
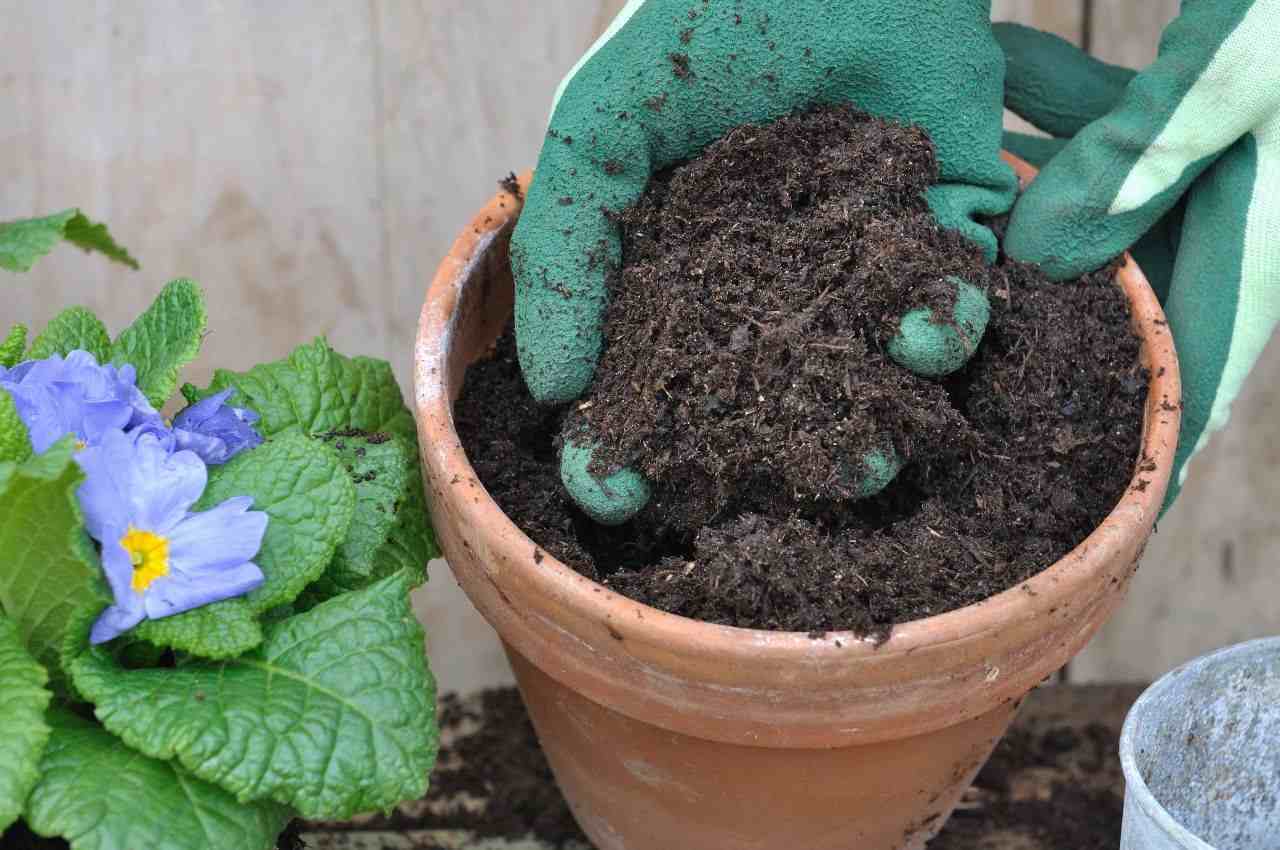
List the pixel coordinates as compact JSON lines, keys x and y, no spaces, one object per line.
{"x":1182,"y":158}
{"x":669,"y":77}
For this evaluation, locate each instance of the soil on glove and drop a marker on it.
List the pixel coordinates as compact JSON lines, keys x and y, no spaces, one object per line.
{"x":745,"y":374}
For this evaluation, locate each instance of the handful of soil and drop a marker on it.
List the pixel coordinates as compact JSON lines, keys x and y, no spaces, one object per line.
{"x":745,"y":374}
{"x":744,"y":367}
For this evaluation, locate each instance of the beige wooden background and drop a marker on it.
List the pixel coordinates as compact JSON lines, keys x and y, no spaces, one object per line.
{"x":310,"y":161}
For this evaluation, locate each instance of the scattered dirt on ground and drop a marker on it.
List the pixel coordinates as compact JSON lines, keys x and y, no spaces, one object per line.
{"x":1059,"y":788}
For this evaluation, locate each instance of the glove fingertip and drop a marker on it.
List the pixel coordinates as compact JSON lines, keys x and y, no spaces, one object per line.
{"x":879,"y":468}
{"x":609,"y":500}
{"x":934,"y":349}
{"x":555,"y":381}
{"x":1033,"y":238}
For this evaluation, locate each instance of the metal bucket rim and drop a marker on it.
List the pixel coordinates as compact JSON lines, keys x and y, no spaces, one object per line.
{"x":1136,"y":788}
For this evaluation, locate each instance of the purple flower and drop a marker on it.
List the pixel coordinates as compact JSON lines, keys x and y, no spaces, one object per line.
{"x":57,"y":396}
{"x":161,"y":559}
{"x":215,"y":430}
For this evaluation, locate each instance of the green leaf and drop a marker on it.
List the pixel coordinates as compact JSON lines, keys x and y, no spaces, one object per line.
{"x":302,"y":487}
{"x":50,"y":578}
{"x":163,"y":339}
{"x":23,"y":732}
{"x":15,"y":343}
{"x":15,"y":442}
{"x":24,"y":241}
{"x":75,"y":327}
{"x":334,"y":714}
{"x":100,"y":795}
{"x":389,"y":530}
{"x":90,"y":237}
{"x":222,"y":630}
{"x":315,"y":390}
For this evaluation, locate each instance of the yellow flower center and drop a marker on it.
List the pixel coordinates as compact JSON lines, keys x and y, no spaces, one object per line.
{"x":149,"y":554}
{"x":81,"y":445}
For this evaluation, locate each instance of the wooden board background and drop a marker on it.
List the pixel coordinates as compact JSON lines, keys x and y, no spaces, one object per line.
{"x":310,"y":162}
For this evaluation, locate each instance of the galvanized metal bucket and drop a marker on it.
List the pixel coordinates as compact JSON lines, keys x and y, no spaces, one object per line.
{"x":1201,"y":755}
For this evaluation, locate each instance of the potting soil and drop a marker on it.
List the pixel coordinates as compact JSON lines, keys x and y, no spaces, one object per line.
{"x":745,"y":373}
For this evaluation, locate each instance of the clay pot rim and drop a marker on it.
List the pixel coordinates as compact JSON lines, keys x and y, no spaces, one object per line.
{"x":563,"y":587}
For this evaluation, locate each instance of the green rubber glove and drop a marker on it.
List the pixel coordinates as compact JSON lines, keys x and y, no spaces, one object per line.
{"x":1185,"y":155}
{"x":671,"y":76}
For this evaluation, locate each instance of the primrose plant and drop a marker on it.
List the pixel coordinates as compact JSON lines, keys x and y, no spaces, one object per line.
{"x":205,"y":628}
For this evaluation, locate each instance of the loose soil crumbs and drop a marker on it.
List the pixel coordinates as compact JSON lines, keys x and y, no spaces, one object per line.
{"x":745,"y":374}
{"x":511,"y":185}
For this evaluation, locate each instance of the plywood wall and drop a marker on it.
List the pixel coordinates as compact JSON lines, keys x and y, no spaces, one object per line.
{"x":309,"y":163}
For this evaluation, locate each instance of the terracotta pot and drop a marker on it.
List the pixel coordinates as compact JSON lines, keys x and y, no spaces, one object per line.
{"x":666,"y":733}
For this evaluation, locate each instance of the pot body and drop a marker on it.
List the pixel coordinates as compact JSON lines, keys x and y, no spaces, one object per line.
{"x":635,"y":785}
{"x":667,"y":733}
{"x":1201,"y":755}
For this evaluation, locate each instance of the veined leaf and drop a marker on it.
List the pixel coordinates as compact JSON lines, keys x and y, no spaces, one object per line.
{"x":222,"y":630}
{"x":316,"y":390}
{"x":15,"y":343}
{"x":163,"y":339}
{"x":89,"y":237}
{"x":15,"y":442}
{"x":100,"y":795}
{"x":23,"y":732}
{"x":73,"y":328}
{"x":50,"y":579}
{"x":389,"y":529}
{"x":24,"y":241}
{"x":334,"y":714}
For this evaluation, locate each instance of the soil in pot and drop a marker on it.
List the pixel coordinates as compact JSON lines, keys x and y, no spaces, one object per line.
{"x":745,"y":365}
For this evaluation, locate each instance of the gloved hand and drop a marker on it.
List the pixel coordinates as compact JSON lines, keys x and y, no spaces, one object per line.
{"x":671,"y":76}
{"x":1185,"y":155}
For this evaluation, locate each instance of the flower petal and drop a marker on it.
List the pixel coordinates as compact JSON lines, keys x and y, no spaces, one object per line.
{"x":103,"y":496}
{"x":39,"y":411}
{"x":99,"y":417}
{"x":74,"y":395}
{"x":165,"y":486}
{"x":176,"y":592}
{"x":195,"y":415}
{"x":115,"y":621}
{"x":128,"y":609}
{"x":17,"y":373}
{"x":207,"y":542}
{"x":211,"y":450}
{"x":231,"y":426}
{"x":155,"y":427}
{"x":119,"y":569}
{"x":138,"y":483}
{"x":44,"y":371}
{"x":77,"y":360}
